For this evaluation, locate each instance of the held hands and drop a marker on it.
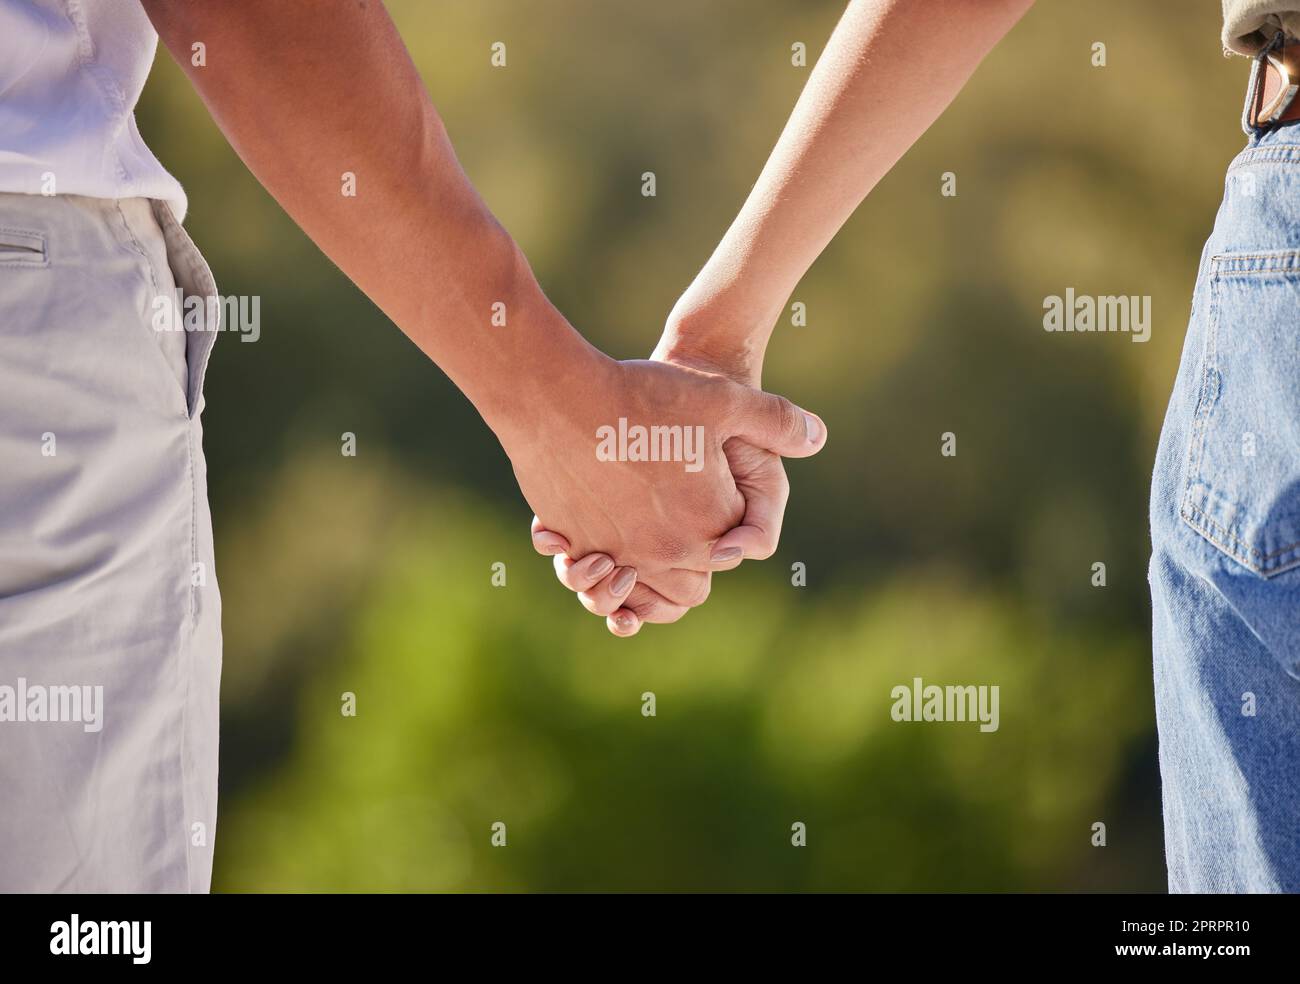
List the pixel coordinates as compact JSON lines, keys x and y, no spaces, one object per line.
{"x":639,"y":539}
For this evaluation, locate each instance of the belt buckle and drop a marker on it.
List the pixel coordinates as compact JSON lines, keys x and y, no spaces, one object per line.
{"x":1275,"y":56}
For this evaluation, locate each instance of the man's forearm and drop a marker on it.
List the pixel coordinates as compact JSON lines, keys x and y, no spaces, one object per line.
{"x":890,"y":68}
{"x":307,"y":91}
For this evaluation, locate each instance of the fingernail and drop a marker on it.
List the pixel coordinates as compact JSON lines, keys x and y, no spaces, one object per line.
{"x":813,"y":426}
{"x":726,"y":555}
{"x":623,"y":581}
{"x":624,"y":620}
{"x":601,"y":567}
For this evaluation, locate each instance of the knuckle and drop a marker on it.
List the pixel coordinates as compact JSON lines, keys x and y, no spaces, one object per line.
{"x":782,"y":485}
{"x":644,"y":610}
{"x":697,"y":591}
{"x":659,"y":612}
{"x":787,"y":418}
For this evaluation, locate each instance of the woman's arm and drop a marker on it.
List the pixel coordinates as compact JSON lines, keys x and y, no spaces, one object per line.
{"x":890,"y":68}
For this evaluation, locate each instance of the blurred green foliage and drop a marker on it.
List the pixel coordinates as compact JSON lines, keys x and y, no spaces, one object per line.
{"x":477,"y":704}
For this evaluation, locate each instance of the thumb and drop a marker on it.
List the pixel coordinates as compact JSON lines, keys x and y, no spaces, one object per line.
{"x":760,"y":478}
{"x":774,"y":423}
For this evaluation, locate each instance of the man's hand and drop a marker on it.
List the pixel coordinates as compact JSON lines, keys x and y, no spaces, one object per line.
{"x":756,"y":474}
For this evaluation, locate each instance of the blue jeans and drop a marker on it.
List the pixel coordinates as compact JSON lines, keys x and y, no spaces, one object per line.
{"x":1225,"y":531}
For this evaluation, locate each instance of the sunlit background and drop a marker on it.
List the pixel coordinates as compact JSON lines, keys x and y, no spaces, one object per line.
{"x":478,"y":704}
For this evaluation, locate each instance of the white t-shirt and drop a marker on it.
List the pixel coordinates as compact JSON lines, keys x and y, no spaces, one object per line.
{"x":71,"y":72}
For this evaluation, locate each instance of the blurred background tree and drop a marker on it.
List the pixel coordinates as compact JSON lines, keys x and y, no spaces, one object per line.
{"x":477,"y":704}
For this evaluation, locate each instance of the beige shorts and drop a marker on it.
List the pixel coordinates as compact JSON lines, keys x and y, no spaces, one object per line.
{"x":110,"y":637}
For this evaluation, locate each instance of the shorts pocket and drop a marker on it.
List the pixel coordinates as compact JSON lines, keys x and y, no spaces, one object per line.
{"x":1242,"y":488}
{"x":23,"y":248}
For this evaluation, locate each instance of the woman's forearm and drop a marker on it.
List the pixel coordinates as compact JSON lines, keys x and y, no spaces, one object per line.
{"x":323,"y":103}
{"x":890,"y":68}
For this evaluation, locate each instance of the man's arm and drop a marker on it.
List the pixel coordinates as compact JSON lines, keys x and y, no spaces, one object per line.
{"x":890,"y":68}
{"x":307,"y":90}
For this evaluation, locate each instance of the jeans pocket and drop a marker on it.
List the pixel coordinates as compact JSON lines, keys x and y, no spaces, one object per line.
{"x":1242,"y":490}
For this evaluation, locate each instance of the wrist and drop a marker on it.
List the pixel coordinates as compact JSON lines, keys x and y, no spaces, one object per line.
{"x":715,"y":338}
{"x":547,"y":369}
